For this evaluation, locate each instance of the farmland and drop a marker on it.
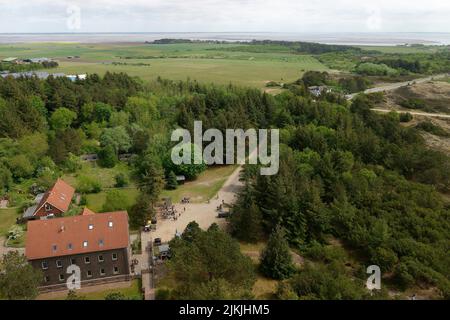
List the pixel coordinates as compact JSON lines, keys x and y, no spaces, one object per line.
{"x":218,"y":63}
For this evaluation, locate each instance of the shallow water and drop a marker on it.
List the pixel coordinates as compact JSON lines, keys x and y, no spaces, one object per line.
{"x":385,"y":39}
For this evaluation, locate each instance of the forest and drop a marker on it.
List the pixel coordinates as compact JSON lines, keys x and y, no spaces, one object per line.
{"x":347,"y":176}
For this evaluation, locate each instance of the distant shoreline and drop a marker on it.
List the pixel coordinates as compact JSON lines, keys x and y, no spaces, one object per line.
{"x":355,"y":39}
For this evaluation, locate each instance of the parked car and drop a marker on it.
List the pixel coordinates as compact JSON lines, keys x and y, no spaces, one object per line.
{"x":223,"y":214}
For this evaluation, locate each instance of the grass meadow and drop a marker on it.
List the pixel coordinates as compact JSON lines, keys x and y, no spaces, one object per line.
{"x":245,"y":65}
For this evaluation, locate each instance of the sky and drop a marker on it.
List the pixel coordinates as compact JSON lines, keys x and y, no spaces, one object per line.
{"x":51,"y":16}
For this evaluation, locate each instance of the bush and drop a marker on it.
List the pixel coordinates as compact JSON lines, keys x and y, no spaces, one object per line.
{"x":373,"y":69}
{"x":116,"y":200}
{"x":405,"y":117}
{"x":107,"y":157}
{"x":162,"y":294}
{"x":121,"y":180}
{"x":432,"y":128}
{"x":88,"y":185}
{"x":73,"y":163}
{"x":413,"y":103}
{"x":386,"y":259}
{"x":272,"y":84}
{"x":115,"y":296}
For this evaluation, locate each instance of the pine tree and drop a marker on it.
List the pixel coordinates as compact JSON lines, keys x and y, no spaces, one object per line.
{"x":247,"y":223}
{"x":172,"y":183}
{"x":276,"y":259}
{"x":152,"y":181}
{"x":141,"y":211}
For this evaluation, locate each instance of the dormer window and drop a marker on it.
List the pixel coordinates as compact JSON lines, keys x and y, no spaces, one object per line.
{"x":54,"y":247}
{"x":100,"y":243}
{"x":70,"y":246}
{"x":91,"y":226}
{"x":110,"y":224}
{"x":85,"y":244}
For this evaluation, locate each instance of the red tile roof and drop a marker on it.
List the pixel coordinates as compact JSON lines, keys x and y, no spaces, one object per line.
{"x":59,"y":196}
{"x":87,"y":212}
{"x":65,"y":236}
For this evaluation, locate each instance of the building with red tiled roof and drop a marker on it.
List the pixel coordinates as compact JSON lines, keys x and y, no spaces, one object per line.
{"x":86,"y":211}
{"x":54,"y":202}
{"x":97,"y":243}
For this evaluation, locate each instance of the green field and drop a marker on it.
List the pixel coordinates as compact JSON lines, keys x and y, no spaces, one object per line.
{"x":133,"y":292}
{"x":200,"y":190}
{"x":106,"y":176}
{"x":219,"y":63}
{"x":204,"y":187}
{"x":7,"y":219}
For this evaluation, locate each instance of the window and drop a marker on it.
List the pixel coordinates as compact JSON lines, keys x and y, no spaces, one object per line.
{"x":89,"y":274}
{"x":48,"y":207}
{"x":87,"y":260}
{"x":58,"y":263}
{"x":100,"y":258}
{"x":73,"y":261}
{"x":110,"y":224}
{"x":91,"y":226}
{"x":44,"y":265}
{"x":61,"y":277}
{"x":116,"y":270}
{"x":69,"y":246}
{"x":46,"y":279}
{"x":102,"y":272}
{"x":54,"y":247}
{"x":100,"y":243}
{"x":85,"y":244}
{"x":114,"y":256}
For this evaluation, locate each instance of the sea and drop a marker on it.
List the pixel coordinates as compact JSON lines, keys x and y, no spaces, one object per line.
{"x":361,"y":39}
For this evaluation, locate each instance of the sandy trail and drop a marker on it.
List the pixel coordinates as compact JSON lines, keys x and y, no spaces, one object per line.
{"x":204,"y":214}
{"x":425,"y":114}
{"x":393,"y":86}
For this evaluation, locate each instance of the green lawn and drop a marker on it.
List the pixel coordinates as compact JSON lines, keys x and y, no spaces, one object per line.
{"x":204,"y":187}
{"x":132,"y":292}
{"x":7,"y":219}
{"x":95,"y":201}
{"x":219,"y":63}
{"x":200,"y":190}
{"x":104,"y":175}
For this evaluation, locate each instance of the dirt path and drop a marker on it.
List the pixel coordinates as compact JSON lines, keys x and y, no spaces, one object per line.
{"x":204,"y":214}
{"x":5,"y":250}
{"x":425,"y":114}
{"x":393,"y":86}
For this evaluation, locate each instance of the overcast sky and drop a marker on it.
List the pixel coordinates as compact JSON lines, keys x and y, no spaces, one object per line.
{"x":224,"y":15}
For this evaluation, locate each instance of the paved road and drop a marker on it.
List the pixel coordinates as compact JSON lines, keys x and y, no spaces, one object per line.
{"x":394,"y":86}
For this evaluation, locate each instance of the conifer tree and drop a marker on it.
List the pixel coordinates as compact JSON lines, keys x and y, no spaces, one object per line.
{"x":276,"y":259}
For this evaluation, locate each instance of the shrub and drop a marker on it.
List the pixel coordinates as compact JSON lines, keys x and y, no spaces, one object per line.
{"x":373,"y":69}
{"x":88,"y":185}
{"x":121,"y":180}
{"x":405,"y":117}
